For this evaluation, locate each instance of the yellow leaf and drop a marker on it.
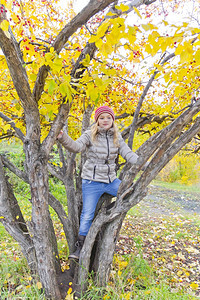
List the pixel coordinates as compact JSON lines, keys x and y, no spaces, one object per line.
{"x":148,"y":48}
{"x":107,"y":49}
{"x":167,"y":77}
{"x":127,"y":296}
{"x":52,"y":49}
{"x":6,"y":127}
{"x":4,"y":26}
{"x":194,"y":285}
{"x":148,"y":292}
{"x":48,"y":57}
{"x":102,"y":29}
{"x":57,"y":64}
{"x":17,"y":217}
{"x":69,"y":291}
{"x":165,"y":22}
{"x":86,"y":61}
{"x":146,"y":27}
{"x":119,"y":273}
{"x":28,"y":286}
{"x":39,"y":285}
{"x":122,"y":7}
{"x":123,"y":264}
{"x":110,"y":14}
{"x":3,"y":2}
{"x":99,"y":43}
{"x":137,"y":12}
{"x":106,"y":297}
{"x":67,"y":78}
{"x":69,"y":297}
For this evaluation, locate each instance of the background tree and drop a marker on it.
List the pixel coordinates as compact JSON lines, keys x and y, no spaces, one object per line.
{"x":57,"y":68}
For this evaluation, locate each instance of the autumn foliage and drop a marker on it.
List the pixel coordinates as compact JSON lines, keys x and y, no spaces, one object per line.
{"x":56,"y":67}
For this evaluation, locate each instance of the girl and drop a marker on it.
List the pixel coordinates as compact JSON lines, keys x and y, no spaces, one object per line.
{"x":102,"y":143}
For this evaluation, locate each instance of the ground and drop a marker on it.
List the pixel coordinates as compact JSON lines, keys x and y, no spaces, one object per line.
{"x":164,"y":227}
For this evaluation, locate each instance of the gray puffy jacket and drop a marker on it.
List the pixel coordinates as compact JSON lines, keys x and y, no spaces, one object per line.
{"x":101,"y":154}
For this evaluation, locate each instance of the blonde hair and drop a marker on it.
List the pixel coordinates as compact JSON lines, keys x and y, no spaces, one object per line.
{"x":94,"y":132}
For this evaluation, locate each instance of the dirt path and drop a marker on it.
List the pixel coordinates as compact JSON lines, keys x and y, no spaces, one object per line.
{"x":165,"y":201}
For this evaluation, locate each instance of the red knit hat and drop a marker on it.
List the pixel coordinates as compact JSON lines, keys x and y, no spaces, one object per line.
{"x":103,"y":109}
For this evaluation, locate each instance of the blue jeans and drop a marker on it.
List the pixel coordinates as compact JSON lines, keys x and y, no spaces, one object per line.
{"x":92,"y":191}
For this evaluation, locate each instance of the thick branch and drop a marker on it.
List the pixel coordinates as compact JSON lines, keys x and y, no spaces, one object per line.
{"x":134,"y":3}
{"x":171,"y":132}
{"x":15,"y":65}
{"x":93,"y":7}
{"x":165,"y":154}
{"x":57,"y":125}
{"x":22,"y":175}
{"x":12,"y":124}
{"x":54,"y":172}
{"x":13,"y":221}
{"x":53,"y":202}
{"x":80,"y":19}
{"x":78,"y":68}
{"x":67,"y":226}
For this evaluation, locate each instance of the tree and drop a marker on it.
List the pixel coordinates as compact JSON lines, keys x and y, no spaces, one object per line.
{"x":46,"y":76}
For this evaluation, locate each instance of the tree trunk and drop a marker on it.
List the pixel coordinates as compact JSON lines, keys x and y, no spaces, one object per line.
{"x":41,"y":228}
{"x":106,"y":249}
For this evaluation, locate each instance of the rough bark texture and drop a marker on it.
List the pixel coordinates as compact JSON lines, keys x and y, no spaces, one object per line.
{"x":13,"y":221}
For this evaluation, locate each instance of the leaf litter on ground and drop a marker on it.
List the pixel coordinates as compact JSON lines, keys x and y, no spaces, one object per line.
{"x":164,"y":230}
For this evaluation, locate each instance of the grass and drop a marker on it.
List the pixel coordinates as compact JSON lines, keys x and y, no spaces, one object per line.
{"x":195,"y":188}
{"x":151,"y":262}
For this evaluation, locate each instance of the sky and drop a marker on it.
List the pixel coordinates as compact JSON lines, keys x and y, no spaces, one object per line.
{"x":181,"y":15}
{"x":78,"y":4}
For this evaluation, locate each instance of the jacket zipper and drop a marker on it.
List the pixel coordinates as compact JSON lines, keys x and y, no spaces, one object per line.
{"x":94,"y":172}
{"x":108,"y":156}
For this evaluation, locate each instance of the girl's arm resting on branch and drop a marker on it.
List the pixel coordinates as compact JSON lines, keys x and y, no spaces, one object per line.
{"x":74,"y":146}
{"x":128,"y":154}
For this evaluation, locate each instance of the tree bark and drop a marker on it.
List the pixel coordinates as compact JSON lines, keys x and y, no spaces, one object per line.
{"x":13,"y":221}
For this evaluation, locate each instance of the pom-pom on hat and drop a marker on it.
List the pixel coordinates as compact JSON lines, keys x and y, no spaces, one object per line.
{"x":103,"y":109}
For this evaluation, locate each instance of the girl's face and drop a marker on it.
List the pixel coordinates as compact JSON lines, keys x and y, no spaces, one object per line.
{"x":105,"y":121}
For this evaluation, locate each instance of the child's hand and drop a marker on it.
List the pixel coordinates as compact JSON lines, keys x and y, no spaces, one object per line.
{"x":60,"y":135}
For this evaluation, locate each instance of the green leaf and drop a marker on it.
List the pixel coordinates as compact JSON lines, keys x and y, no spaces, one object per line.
{"x":52,"y":86}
